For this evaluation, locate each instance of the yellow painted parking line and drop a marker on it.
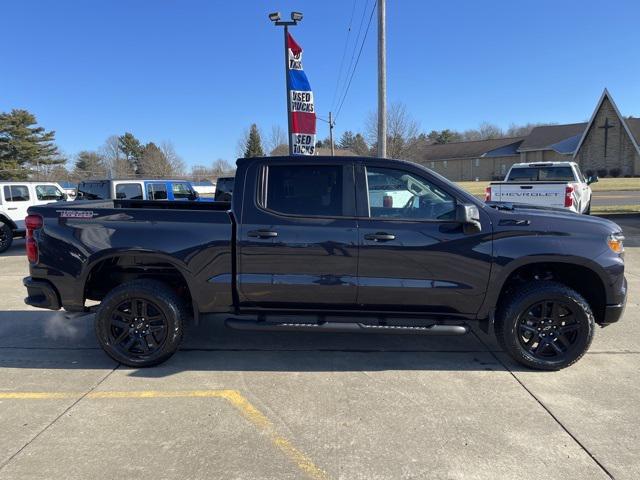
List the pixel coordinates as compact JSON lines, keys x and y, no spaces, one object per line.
{"x":234,"y":397}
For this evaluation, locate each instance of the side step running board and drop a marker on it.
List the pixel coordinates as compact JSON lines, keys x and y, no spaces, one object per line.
{"x":344,"y":327}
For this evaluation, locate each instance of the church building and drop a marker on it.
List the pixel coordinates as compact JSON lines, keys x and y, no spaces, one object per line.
{"x":606,"y":145}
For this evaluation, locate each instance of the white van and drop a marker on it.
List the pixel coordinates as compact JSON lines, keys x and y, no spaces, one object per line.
{"x":16,"y":198}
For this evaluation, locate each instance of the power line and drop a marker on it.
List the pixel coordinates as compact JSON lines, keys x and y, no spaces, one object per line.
{"x":355,"y":49}
{"x":344,"y":97}
{"x":344,"y":54}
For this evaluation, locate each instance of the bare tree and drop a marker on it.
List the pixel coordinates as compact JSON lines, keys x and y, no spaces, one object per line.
{"x":402,"y":130}
{"x":276,"y":138}
{"x":242,"y":143}
{"x":222,"y":167}
{"x":523,"y":130}
{"x":178,"y":167}
{"x":485,"y":131}
{"x":115,"y":163}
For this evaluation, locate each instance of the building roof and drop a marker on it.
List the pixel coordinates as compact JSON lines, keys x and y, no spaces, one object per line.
{"x":542,"y":138}
{"x":474,"y":149}
{"x":632,"y":131}
{"x":634,"y":126}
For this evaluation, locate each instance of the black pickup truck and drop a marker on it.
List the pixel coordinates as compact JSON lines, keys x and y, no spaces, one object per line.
{"x":330,"y":244}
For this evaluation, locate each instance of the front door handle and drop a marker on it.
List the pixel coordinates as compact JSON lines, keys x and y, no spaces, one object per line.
{"x":12,"y":208}
{"x":380,"y":237}
{"x":262,"y":234}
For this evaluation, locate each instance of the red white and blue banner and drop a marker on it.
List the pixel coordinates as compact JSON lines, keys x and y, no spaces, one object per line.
{"x":302,"y":111}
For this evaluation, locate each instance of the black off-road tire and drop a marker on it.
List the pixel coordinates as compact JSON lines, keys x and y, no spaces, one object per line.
{"x":112,"y":319}
{"x":6,"y":237}
{"x":516,"y":310}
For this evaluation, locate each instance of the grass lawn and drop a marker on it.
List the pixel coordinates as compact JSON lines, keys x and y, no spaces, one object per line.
{"x":615,"y":209}
{"x":604,"y":185}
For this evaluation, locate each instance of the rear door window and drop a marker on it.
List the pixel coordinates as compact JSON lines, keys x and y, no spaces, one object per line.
{"x":16,"y":193}
{"x":307,"y":190}
{"x":157,"y":191}
{"x":93,"y":191}
{"x":131,"y":191}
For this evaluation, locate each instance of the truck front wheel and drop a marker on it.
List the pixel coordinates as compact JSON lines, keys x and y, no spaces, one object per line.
{"x":140,"y":323}
{"x":545,"y":325}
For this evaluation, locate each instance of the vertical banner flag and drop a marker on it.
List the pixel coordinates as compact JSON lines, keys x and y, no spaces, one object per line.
{"x":303,"y":114}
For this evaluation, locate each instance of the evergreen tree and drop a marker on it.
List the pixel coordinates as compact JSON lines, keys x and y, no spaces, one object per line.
{"x":254,"y":143}
{"x":90,"y":165}
{"x":346,"y":140}
{"x":24,"y":145}
{"x":132,"y":150}
{"x":153,"y":162}
{"x":359,"y":146}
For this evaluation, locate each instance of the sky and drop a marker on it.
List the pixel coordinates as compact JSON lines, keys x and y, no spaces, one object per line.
{"x":198,"y":73}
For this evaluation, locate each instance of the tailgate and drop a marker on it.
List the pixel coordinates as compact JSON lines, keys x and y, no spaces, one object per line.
{"x":544,"y":194}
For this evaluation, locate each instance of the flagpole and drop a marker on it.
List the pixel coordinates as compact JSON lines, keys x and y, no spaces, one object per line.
{"x":286,"y":74}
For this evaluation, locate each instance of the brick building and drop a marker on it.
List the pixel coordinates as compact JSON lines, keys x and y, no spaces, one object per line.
{"x":607,"y":142}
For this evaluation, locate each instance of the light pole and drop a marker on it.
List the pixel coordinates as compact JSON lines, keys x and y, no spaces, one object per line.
{"x":295,"y":18}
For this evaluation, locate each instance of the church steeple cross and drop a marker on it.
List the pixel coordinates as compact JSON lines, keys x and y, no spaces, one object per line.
{"x":606,"y":127}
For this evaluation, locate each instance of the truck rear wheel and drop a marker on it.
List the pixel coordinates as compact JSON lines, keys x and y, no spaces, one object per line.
{"x":140,"y":323}
{"x":6,"y":237}
{"x":545,"y":325}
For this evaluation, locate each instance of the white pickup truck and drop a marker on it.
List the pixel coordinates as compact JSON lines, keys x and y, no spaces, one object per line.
{"x":15,"y":199}
{"x":548,"y":184}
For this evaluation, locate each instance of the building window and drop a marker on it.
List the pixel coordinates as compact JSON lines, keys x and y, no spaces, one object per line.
{"x":444,"y":164}
{"x":477,"y":162}
{"x":503,"y":169}
{"x":433,"y":165}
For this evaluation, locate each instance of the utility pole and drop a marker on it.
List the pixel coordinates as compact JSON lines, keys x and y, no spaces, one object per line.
{"x":331,"y":134}
{"x":382,"y":80}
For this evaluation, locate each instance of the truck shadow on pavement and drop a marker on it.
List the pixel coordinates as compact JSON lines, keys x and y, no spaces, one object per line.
{"x":17,"y":249}
{"x":44,"y":340}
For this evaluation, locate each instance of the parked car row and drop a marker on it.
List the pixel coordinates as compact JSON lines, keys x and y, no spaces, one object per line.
{"x":16,"y":198}
{"x":136,"y":190}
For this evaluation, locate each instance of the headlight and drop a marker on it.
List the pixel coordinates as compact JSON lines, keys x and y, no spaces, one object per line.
{"x":615,"y":242}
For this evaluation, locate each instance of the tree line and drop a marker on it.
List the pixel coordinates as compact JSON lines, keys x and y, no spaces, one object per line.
{"x":404,"y":138}
{"x":29,"y":151}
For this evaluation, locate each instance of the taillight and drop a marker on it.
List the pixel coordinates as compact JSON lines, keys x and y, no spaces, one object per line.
{"x":568,"y":196}
{"x":32,"y":222}
{"x":487,"y":194}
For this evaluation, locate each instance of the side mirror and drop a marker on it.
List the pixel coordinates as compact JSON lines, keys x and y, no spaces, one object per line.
{"x":194,"y":196}
{"x":592,"y":179}
{"x":469,"y":216}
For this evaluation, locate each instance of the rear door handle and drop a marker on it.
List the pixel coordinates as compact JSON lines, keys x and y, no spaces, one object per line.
{"x":12,"y":208}
{"x":380,"y":237}
{"x":262,"y":234}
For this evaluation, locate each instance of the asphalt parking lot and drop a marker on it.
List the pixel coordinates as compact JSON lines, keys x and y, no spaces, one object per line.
{"x":291,"y":405}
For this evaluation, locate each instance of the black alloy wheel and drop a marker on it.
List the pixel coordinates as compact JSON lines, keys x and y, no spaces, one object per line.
{"x":544,"y":325}
{"x":140,"y":323}
{"x":548,"y":330}
{"x":138,"y":327}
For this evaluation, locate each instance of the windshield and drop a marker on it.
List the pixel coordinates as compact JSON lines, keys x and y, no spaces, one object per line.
{"x":541,"y":174}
